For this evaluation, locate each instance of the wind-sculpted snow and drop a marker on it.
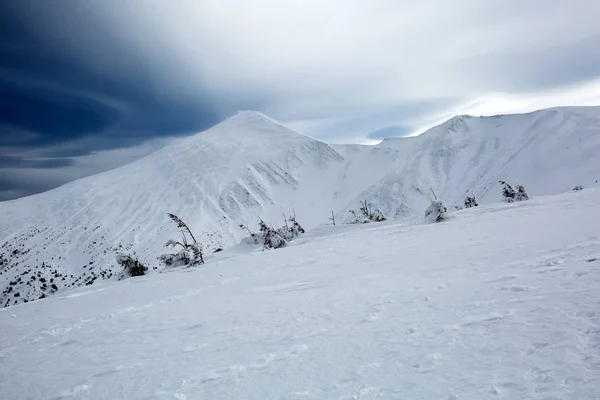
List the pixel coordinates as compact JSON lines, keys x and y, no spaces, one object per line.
{"x":499,"y":302}
{"x":250,"y":167}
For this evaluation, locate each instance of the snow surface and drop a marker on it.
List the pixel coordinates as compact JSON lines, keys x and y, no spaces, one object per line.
{"x":500,"y":302}
{"x":250,"y":167}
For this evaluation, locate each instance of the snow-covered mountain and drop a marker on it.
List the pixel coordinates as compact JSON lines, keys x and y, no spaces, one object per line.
{"x":251,"y":167}
{"x":548,"y":151}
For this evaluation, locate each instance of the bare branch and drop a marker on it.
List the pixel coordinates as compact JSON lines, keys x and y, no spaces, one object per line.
{"x":181,"y":224}
{"x":434,"y":196}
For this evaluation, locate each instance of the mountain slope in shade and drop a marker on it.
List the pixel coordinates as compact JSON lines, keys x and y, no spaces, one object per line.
{"x":250,"y":167}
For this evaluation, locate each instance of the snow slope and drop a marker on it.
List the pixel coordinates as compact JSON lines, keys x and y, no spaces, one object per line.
{"x":251,"y":167}
{"x":242,"y":169}
{"x":548,"y":151}
{"x":501,"y":302}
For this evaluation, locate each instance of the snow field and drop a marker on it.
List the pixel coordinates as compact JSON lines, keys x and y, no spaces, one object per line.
{"x":501,"y":302}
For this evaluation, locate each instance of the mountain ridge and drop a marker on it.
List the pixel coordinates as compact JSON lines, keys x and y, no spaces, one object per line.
{"x":251,"y":166}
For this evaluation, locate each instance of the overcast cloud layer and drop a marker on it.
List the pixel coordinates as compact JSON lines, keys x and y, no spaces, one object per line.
{"x":87,"y":86}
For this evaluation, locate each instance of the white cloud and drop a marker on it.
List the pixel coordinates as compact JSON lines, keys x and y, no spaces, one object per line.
{"x":332,"y":59}
{"x":582,"y":94}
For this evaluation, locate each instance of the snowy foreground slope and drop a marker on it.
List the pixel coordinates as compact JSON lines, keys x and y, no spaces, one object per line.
{"x":501,"y":302}
{"x":250,"y":167}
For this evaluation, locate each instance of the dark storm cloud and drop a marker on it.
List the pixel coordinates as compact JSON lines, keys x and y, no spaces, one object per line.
{"x":55,"y":104}
{"x":82,"y":77}
{"x":20,"y":162}
{"x":59,"y":98}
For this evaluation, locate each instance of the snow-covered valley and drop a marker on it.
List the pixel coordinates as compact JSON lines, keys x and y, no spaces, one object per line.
{"x":499,"y":302}
{"x":250,"y":167}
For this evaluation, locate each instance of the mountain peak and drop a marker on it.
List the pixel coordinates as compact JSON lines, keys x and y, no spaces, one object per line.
{"x":251,"y":130}
{"x":252,"y":119}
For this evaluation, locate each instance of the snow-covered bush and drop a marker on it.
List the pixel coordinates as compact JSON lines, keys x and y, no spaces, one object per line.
{"x":131,"y":266}
{"x":290,"y":232}
{"x":508,"y":193}
{"x":366,"y":214}
{"x":272,"y":238}
{"x":436,"y":212}
{"x":190,"y":254}
{"x":470,"y":201}
{"x":521,"y":193}
{"x":577,"y":188}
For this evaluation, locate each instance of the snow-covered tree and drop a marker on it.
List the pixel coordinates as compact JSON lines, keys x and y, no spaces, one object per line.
{"x":508,"y":193}
{"x":521,"y":194}
{"x":470,"y":201}
{"x":293,"y":231}
{"x":272,"y":238}
{"x":131,"y":266}
{"x":190,"y":254}
{"x":437,"y":211}
{"x":367,"y":214}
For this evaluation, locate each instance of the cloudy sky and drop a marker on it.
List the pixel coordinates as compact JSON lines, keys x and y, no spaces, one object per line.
{"x":88,"y":86}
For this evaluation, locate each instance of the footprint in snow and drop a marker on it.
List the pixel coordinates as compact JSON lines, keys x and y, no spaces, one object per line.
{"x":428,"y":363}
{"x":74,"y":391}
{"x":495,"y":390}
{"x":376,"y":314}
{"x":484,"y":319}
{"x":536,"y":346}
{"x":518,"y":288}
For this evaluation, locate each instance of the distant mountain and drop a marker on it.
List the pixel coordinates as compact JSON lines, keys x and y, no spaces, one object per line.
{"x":250,"y":167}
{"x":548,"y":151}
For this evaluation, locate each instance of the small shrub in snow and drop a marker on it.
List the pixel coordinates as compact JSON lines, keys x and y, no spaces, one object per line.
{"x":521,"y":194}
{"x":377,"y":216}
{"x":577,"y":188}
{"x":190,"y":254}
{"x":470,"y":201}
{"x":366,"y":214}
{"x":131,"y":266}
{"x":293,"y":231}
{"x":272,"y":238}
{"x":508,"y":193}
{"x":436,"y":212}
